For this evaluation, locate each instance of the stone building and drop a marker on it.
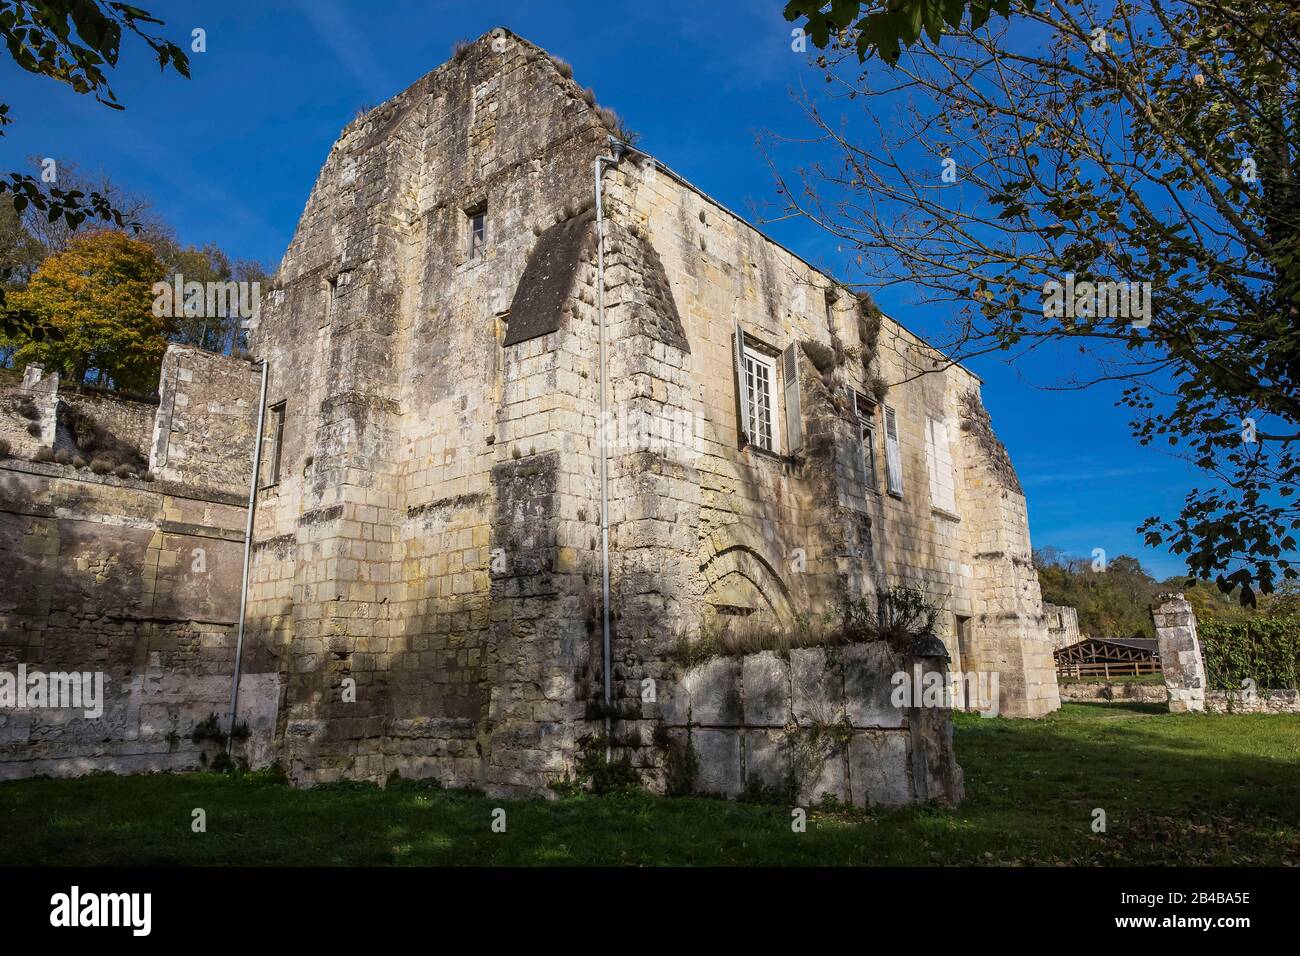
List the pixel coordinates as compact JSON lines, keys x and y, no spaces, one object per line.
{"x":473,"y":358}
{"x":432,"y":534}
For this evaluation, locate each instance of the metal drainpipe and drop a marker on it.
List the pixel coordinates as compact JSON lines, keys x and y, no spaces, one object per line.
{"x":248,"y":545}
{"x":616,"y":148}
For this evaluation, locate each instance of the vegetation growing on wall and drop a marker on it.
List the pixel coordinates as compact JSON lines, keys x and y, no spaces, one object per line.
{"x":976,"y":422}
{"x":99,"y":446}
{"x":897,"y":615}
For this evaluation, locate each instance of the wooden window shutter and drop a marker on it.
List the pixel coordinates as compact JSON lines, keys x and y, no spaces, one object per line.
{"x":793,"y":414}
{"x":742,"y":389}
{"x":943,"y":491}
{"x":893,"y":454}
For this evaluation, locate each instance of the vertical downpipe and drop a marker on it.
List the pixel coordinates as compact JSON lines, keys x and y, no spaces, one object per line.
{"x":604,"y":450}
{"x":248,"y":545}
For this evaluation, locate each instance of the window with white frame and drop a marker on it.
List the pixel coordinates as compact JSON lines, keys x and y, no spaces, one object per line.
{"x":865,"y":412}
{"x":760,"y":398}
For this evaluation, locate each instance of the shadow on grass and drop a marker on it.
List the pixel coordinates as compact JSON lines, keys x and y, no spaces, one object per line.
{"x":1183,"y":789}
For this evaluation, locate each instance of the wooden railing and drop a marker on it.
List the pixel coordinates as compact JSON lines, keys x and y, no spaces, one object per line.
{"x":1107,"y":669}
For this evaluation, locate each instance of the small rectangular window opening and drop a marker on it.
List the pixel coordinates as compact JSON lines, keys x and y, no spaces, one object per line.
{"x":865,"y":412}
{"x":275,"y":435}
{"x":477,"y":231}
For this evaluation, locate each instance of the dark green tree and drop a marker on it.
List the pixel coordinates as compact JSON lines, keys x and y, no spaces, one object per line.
{"x":1108,"y":142}
{"x":74,"y":42}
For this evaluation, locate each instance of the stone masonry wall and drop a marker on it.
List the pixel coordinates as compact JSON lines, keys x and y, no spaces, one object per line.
{"x":135,"y":581}
{"x":206,"y":420}
{"x":29,"y":413}
{"x":1062,"y":625}
{"x":1259,"y":702}
{"x":129,"y":421}
{"x":822,"y":722}
{"x":417,"y":447}
{"x":1119,"y":692}
{"x":726,"y":529}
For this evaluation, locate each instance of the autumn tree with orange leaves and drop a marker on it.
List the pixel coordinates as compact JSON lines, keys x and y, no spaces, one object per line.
{"x":99,"y":294}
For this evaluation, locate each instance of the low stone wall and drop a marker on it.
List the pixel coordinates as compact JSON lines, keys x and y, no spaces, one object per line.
{"x":136,"y":584}
{"x":825,"y":717}
{"x":1119,"y":692}
{"x":1216,"y":701}
{"x":148,"y":718}
{"x":127,"y":421}
{"x":1257,"y":702}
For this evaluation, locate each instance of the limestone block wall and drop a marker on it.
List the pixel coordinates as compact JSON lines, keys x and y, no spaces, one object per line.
{"x":418,"y":446}
{"x":781,"y":535}
{"x":1062,"y":625}
{"x":137,"y":582}
{"x":1008,"y":630}
{"x":206,"y":421}
{"x":815,"y":722}
{"x":129,"y":421}
{"x":38,"y":395}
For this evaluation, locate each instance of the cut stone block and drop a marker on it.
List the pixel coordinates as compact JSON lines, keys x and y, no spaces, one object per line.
{"x":765,"y":679}
{"x":719,"y":755}
{"x":833,"y":778}
{"x":818,"y":688}
{"x":878,"y":769}
{"x":765,"y":757}
{"x":714,"y":689}
{"x":673,"y":701}
{"x":868,"y":688}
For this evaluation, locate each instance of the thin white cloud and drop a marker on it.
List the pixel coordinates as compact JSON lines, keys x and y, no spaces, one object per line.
{"x":1081,"y":475}
{"x":347,"y":41}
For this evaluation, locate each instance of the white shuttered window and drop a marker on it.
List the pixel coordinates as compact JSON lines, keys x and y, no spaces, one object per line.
{"x":893,"y":454}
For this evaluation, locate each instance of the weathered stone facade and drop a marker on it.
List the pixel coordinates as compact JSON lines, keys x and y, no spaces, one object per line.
{"x":131,"y":579}
{"x":1062,"y":625}
{"x":428,"y":561}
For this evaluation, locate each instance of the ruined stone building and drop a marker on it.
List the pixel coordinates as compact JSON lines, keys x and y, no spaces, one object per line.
{"x":426,"y":570}
{"x":122,"y":525}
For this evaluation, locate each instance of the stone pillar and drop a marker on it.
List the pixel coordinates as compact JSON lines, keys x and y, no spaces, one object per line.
{"x":1180,"y":654}
{"x":32,"y":374}
{"x":43,"y":390}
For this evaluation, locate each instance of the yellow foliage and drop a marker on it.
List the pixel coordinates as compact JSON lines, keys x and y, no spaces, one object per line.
{"x":99,"y":294}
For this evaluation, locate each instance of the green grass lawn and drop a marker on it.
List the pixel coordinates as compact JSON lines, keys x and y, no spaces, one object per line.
{"x":1187,"y":789}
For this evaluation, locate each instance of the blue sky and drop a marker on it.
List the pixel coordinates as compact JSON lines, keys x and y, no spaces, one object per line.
{"x":230,"y":156}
